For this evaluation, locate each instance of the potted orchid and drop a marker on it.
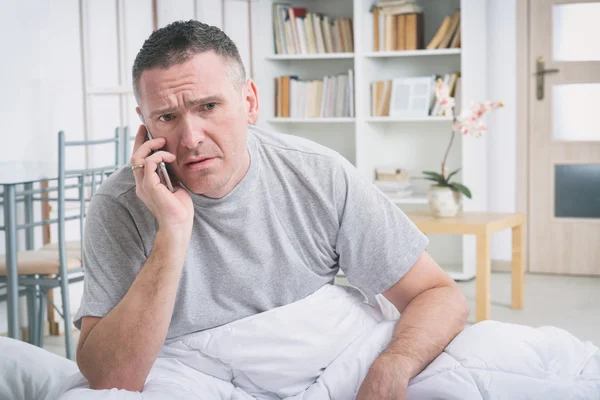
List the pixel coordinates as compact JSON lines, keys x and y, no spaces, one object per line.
{"x":445,"y":195}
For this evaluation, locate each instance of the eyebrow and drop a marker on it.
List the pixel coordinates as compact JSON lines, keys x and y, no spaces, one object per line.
{"x":190,"y":103}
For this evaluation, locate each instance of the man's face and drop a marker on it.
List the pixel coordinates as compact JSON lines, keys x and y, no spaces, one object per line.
{"x":204,"y":118}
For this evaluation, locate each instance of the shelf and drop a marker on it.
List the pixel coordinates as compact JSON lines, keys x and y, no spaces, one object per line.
{"x":412,"y":53}
{"x":377,"y":54}
{"x":409,"y":119}
{"x":319,"y":56}
{"x":417,"y":198}
{"x":310,"y":120}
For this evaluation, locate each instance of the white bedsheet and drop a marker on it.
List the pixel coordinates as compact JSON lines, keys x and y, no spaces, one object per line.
{"x":320,"y":348}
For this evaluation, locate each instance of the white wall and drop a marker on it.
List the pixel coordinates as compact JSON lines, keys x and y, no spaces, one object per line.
{"x":41,"y":84}
{"x":502,"y":124}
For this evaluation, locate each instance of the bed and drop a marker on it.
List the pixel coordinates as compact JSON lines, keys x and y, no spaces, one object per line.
{"x":486,"y":361}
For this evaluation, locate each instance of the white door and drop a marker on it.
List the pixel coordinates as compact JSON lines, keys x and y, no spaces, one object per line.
{"x":564,"y":142}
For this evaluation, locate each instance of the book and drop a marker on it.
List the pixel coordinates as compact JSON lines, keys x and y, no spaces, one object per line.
{"x":401,"y":32}
{"x":413,"y":31}
{"x":396,"y":7}
{"x":448,"y":34}
{"x":376,"y":32}
{"x":330,"y":97}
{"x":381,"y":92}
{"x":396,"y":32}
{"x":297,"y":30}
{"x":454,"y":25}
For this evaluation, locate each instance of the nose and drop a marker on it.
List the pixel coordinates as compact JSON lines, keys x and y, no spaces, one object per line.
{"x":192,"y":132}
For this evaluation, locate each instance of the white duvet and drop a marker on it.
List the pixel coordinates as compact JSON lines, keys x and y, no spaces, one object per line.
{"x":320,"y":348}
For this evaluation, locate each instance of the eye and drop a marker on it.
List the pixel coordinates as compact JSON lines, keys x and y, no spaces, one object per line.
{"x":166,"y":117}
{"x":209,"y":106}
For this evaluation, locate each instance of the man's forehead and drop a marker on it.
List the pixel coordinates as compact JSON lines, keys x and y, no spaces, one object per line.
{"x":206,"y":64}
{"x":198,"y":73}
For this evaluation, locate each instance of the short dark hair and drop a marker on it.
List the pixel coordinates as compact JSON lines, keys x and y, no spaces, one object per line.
{"x":179,"y":41}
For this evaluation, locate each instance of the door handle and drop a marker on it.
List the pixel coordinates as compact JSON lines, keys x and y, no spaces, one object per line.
{"x":546,"y":71}
{"x":540,"y":72}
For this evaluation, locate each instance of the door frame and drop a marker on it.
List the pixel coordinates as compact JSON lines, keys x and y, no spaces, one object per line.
{"x":523,"y":76}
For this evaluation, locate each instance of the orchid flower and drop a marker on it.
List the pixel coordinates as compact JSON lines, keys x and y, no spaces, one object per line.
{"x":469,"y":122}
{"x":442,"y":93}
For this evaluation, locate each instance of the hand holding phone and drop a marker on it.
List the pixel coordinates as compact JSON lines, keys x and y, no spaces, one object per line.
{"x":162,"y":172}
{"x":173,"y":208}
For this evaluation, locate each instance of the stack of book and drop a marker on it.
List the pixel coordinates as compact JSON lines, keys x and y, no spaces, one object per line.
{"x":381,"y":93}
{"x":448,"y":34}
{"x":298,"y":31}
{"x":397,"y":25}
{"x":393,"y":182}
{"x":331,"y":97}
{"x":407,"y":92}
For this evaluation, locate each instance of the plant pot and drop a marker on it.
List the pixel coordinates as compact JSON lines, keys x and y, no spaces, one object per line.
{"x":443,"y":201}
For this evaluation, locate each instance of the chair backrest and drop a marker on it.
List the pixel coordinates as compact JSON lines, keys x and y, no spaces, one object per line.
{"x":128,"y":138}
{"x":88,"y":178}
{"x":86,"y":182}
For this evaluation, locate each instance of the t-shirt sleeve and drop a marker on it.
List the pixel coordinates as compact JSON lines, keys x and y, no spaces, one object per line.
{"x":113,"y":252}
{"x":377,"y":243}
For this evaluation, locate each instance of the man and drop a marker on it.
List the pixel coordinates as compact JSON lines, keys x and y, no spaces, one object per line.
{"x":258,"y":221}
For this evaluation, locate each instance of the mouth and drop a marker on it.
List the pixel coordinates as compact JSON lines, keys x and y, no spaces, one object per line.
{"x":199,"y":163}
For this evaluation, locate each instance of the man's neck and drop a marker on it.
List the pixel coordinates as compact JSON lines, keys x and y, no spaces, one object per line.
{"x":235,"y":178}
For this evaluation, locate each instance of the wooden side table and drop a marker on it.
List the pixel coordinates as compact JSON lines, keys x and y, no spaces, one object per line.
{"x":483,"y":225}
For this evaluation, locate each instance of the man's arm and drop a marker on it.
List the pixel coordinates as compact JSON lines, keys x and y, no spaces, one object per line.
{"x":433,"y":311}
{"x":118,"y":350}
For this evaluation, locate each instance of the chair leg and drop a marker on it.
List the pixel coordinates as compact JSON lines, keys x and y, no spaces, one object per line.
{"x":54,"y":328}
{"x":31,"y":316}
{"x":40,"y":317}
{"x":36,"y":320}
{"x":66,"y":305}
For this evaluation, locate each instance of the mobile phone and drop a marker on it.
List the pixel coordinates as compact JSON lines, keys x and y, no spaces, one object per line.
{"x":162,"y":172}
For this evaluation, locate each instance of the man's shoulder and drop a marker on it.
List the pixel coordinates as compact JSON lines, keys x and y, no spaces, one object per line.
{"x":119,"y":185}
{"x":293,"y":147}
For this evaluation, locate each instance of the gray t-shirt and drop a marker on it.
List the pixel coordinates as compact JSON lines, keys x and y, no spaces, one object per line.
{"x":301,"y":212}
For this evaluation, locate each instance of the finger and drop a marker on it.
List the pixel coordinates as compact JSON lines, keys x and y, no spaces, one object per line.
{"x":137,"y":158}
{"x":150,"y":176}
{"x":161,"y":156}
{"x":156,"y":158}
{"x":140,"y":137}
{"x":145,"y":149}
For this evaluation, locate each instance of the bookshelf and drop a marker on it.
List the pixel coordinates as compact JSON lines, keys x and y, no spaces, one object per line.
{"x":367,"y":141}
{"x":295,"y":57}
{"x":314,"y":120}
{"x":412,"y":53}
{"x":408,"y":119}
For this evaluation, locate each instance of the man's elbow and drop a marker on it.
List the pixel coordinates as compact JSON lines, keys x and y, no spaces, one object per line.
{"x":463,"y":309}
{"x":115,"y":380}
{"x":99,"y":379}
{"x":112,"y":383}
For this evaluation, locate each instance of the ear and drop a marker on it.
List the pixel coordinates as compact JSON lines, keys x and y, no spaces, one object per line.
{"x":139,"y":113}
{"x":251,"y":100}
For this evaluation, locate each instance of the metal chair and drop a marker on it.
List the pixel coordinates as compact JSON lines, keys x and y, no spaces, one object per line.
{"x":127,"y":146}
{"x":60,"y":263}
